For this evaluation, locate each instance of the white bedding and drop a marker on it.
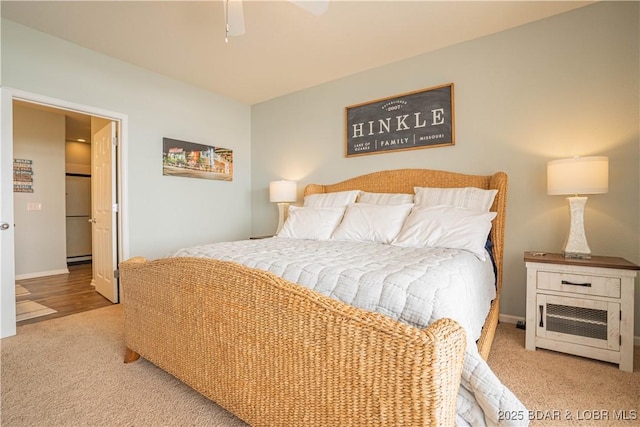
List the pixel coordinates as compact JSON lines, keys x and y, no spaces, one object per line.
{"x":414,"y":286}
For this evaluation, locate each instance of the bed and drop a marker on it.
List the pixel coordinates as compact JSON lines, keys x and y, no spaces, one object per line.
{"x":240,"y":323}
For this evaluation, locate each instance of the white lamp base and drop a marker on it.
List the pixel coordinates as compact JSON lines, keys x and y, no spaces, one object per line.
{"x":283,"y":211}
{"x":576,"y":245}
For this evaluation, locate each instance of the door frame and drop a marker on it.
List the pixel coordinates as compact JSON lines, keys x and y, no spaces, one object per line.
{"x":7,"y":289}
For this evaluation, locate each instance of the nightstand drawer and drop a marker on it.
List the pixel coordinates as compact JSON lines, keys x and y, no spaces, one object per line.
{"x":579,"y":284}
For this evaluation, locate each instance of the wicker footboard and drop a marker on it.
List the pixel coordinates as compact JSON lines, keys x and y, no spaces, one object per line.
{"x":278,"y":354}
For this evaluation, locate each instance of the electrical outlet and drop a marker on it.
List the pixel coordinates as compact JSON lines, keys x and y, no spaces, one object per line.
{"x":34,"y":206}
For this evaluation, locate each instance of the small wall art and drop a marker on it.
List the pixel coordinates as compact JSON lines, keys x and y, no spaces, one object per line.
{"x":188,"y":159}
{"x":22,"y":176}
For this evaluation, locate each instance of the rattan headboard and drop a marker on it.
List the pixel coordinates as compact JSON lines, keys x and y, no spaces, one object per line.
{"x":404,"y":180}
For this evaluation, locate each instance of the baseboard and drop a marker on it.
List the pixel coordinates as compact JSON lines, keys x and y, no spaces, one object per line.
{"x":78,"y":259}
{"x":507,"y":318}
{"x":41,"y":274}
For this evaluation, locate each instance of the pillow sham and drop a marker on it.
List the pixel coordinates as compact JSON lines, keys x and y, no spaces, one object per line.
{"x":385,"y":198}
{"x":311,"y":223}
{"x":464,"y":197}
{"x":366,"y":222}
{"x":339,"y":199}
{"x":446,"y":227}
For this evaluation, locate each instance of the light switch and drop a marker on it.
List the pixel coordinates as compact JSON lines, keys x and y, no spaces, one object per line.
{"x":34,"y":206}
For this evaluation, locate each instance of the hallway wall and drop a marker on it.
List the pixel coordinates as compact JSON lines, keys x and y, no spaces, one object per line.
{"x":40,"y":234}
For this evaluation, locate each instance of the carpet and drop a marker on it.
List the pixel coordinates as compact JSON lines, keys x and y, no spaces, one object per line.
{"x":69,"y":372}
{"x":28,"y":309}
{"x":21,"y":291}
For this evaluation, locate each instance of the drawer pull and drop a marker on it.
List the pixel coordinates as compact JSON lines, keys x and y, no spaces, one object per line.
{"x":541,"y":315}
{"x":586,"y":285}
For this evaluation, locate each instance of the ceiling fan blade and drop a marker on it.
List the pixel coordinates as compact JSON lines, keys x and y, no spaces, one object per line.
{"x":235,"y":17}
{"x":316,"y":7}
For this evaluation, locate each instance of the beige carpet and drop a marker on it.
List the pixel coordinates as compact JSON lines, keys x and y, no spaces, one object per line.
{"x":561,"y":389}
{"x":28,"y":309}
{"x":69,"y":372}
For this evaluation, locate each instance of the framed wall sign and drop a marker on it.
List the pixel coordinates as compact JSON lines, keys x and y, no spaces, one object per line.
{"x":22,"y":176}
{"x":414,"y":120}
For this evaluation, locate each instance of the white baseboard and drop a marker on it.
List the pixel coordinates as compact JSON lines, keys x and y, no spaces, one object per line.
{"x":41,"y":274}
{"x":507,"y":318}
{"x":79,"y":258}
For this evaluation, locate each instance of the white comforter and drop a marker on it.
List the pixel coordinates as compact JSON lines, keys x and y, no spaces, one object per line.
{"x":414,"y":286}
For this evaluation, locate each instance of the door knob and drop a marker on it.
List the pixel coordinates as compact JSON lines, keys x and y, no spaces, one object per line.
{"x":4,"y":226}
{"x":92,"y":220}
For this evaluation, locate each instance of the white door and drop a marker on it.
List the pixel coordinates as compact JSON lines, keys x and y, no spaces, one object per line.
{"x":7,"y":262}
{"x":103,"y":201}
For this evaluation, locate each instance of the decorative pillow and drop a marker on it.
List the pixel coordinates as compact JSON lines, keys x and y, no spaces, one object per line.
{"x":366,"y":222}
{"x":464,"y":197}
{"x":446,"y":227}
{"x":339,"y":199}
{"x":385,"y":198}
{"x":311,"y":223}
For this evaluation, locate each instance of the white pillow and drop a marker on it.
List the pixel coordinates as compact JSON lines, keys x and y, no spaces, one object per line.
{"x":339,"y":199}
{"x":311,"y":223}
{"x":385,"y":198}
{"x":365,"y":222}
{"x":446,"y":227}
{"x":464,"y":197}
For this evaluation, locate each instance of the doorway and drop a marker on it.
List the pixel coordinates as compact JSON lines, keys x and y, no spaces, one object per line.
{"x":118,"y":125}
{"x":53,"y":237}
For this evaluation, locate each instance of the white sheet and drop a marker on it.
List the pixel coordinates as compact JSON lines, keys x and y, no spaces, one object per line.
{"x":414,"y":286}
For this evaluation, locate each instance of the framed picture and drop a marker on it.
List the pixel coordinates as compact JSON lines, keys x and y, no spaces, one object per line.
{"x":414,"y":120}
{"x":188,"y":159}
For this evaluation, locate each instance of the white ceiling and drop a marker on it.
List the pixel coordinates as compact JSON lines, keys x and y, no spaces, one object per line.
{"x":285,"y":48}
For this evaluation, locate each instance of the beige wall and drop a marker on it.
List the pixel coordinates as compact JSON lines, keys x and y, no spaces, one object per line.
{"x":40,"y":235}
{"x":78,"y":157}
{"x":563,"y":86}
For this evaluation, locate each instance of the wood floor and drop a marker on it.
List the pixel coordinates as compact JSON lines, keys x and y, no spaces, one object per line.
{"x":66,"y":293}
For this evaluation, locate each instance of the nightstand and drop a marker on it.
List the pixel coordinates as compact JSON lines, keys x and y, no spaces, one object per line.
{"x":581,"y":306}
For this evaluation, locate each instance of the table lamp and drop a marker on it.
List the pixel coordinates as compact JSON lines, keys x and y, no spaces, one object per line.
{"x":577,"y":175}
{"x":282,"y":192}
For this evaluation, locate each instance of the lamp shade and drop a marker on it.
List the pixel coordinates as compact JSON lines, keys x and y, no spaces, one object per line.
{"x":283,"y":191}
{"x":578,"y":175}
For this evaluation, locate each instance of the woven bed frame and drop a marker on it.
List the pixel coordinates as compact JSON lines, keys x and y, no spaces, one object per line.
{"x":278,"y":354}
